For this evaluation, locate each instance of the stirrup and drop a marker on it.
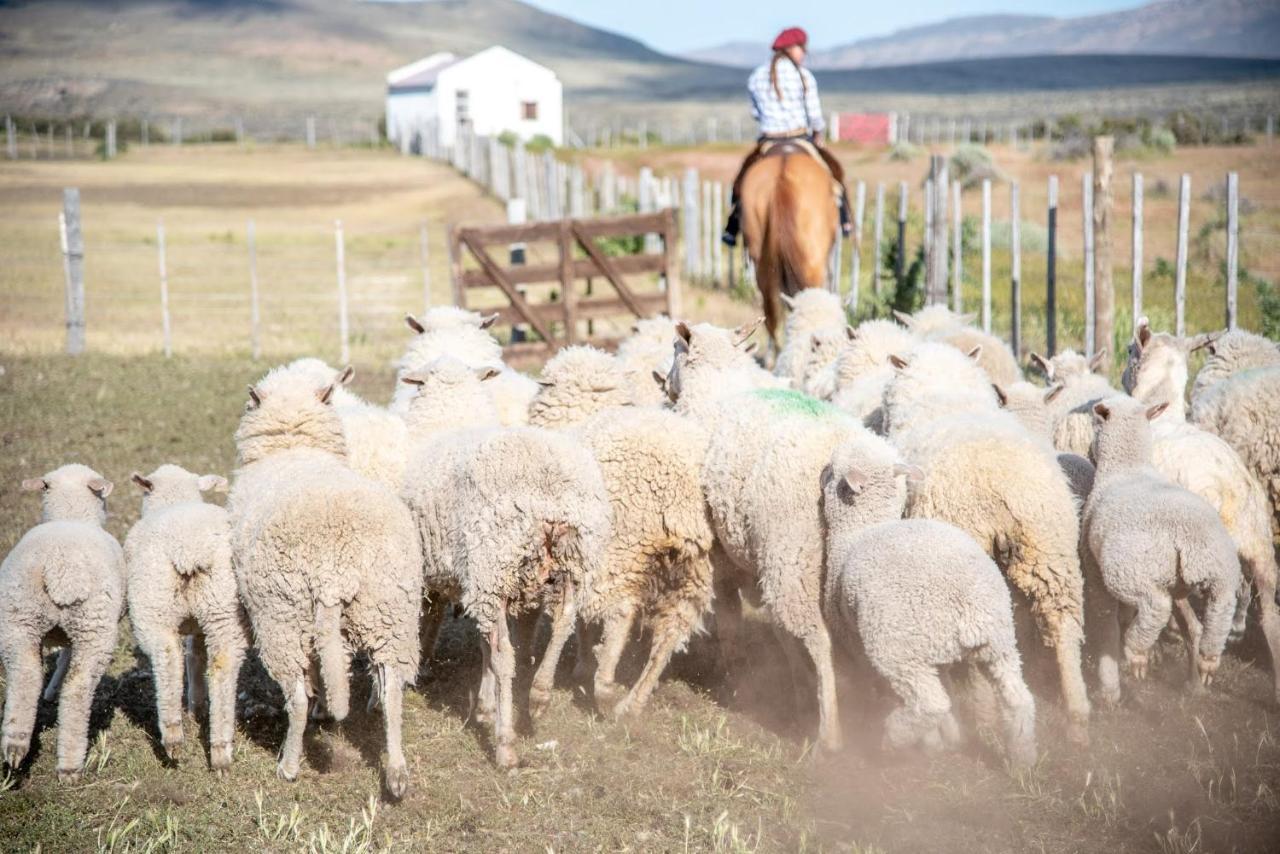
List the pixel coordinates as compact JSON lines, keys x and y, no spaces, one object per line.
{"x":728,"y":238}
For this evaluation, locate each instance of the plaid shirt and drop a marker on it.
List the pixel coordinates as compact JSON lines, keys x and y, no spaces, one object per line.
{"x":795,"y":110}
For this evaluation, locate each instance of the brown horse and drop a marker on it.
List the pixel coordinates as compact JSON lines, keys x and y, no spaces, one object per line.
{"x":789,"y":219}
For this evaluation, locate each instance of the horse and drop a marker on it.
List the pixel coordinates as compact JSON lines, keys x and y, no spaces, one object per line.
{"x":789,"y":220}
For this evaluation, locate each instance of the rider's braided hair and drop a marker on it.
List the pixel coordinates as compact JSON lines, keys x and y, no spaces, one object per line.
{"x":773,"y":73}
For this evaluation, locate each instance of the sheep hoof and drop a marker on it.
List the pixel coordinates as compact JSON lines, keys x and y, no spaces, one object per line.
{"x":397,"y":781}
{"x":1207,"y":666}
{"x":1078,"y":732}
{"x":484,"y":716}
{"x":285,"y":773}
{"x":172,"y":741}
{"x":505,"y":756}
{"x":607,"y":694}
{"x":539,"y":701}
{"x":220,"y":757}
{"x":627,"y":709}
{"x":70,"y":775}
{"x":1138,"y":664}
{"x":15,"y":748}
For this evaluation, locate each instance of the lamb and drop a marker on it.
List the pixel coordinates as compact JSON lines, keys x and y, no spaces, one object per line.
{"x":762,"y":481}
{"x":512,"y":519}
{"x":1151,"y":542}
{"x":922,"y":595}
{"x":462,"y":335}
{"x":180,"y":581}
{"x":66,"y":576}
{"x":327,"y":562}
{"x":938,"y":323}
{"x":1030,"y":405}
{"x":657,"y":565}
{"x":862,"y":370}
{"x":1071,"y":410}
{"x":1203,"y":463}
{"x":984,"y":473}
{"x":811,"y":310}
{"x":646,"y":350}
{"x":1231,"y":353}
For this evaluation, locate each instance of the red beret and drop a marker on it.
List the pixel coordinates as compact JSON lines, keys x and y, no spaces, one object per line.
{"x":788,"y":38}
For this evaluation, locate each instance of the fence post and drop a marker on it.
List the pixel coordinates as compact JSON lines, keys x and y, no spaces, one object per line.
{"x":717,"y":217}
{"x":255,"y":333}
{"x":1233,"y":245}
{"x":879,"y":235}
{"x":689,"y":194}
{"x":517,"y":214}
{"x":11,"y":138}
{"x":1136,"y":274}
{"x":900,"y":272}
{"x":344,"y":347}
{"x":424,"y":250}
{"x":311,"y":131}
{"x":706,"y":229}
{"x":1180,"y":280}
{"x":937,"y":286}
{"x":855,"y":247}
{"x":166,"y":329}
{"x":926,"y":235}
{"x":1051,"y":272}
{"x":1104,"y":287}
{"x":986,"y":255}
{"x":1090,"y":295}
{"x":239,"y":131}
{"x":1015,"y":275}
{"x":957,"y":249}
{"x":111,"y":139}
{"x":73,"y":259}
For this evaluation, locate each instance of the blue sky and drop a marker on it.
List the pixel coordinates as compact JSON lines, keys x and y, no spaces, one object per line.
{"x":676,"y":25}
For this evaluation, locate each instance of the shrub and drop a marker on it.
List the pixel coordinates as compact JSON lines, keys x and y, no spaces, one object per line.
{"x":903,"y":151}
{"x":972,"y":164}
{"x":508,"y":138}
{"x":1162,"y":140}
{"x":1268,"y":308}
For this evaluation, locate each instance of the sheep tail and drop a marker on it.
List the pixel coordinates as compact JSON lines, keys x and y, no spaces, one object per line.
{"x":333,"y":659}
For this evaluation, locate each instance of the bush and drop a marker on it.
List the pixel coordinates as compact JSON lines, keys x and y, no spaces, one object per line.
{"x":1070,"y":148}
{"x":972,"y":164}
{"x":1162,"y":140}
{"x":508,"y":138}
{"x":539,"y":143}
{"x":903,"y":151}
{"x":1268,"y":308}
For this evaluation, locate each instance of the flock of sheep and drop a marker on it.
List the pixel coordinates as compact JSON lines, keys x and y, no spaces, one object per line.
{"x":885,"y":486}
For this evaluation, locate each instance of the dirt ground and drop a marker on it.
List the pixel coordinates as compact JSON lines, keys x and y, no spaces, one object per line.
{"x":719,"y":762}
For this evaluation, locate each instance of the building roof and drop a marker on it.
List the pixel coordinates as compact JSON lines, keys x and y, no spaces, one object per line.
{"x":424,"y":73}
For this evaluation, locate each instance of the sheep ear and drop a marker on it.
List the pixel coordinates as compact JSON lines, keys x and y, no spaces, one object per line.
{"x":897,"y":361}
{"x":34,"y":484}
{"x":788,"y":301}
{"x":851,"y":333}
{"x":967,"y":319}
{"x":1102,"y":410}
{"x":486,"y":322}
{"x":814,"y":345}
{"x":215,"y":482}
{"x":1099,"y":359}
{"x":660,"y":378}
{"x":913,"y":474}
{"x":255,"y":399}
{"x":1000,"y":394}
{"x":1053,"y":392}
{"x":682,"y":329}
{"x":325,"y":394}
{"x":412,"y":379}
{"x":855,"y":481}
{"x":904,"y":318}
{"x":142,"y":482}
{"x":488,"y":372}
{"x":1204,"y":339}
{"x":1156,"y":411}
{"x":750,"y":348}
{"x":976,"y":353}
{"x":546,"y":383}
{"x":1142,"y":332}
{"x":348,"y":373}
{"x":745,"y":331}
{"x":1042,"y":365}
{"x":100,"y":486}
{"x":412,"y":323}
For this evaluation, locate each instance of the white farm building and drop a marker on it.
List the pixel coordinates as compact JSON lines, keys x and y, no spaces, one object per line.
{"x":489,"y":92}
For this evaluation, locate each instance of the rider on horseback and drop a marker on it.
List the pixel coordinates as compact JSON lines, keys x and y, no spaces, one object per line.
{"x":784,"y":102}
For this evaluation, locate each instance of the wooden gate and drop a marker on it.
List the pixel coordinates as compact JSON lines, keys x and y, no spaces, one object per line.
{"x":579,"y":260}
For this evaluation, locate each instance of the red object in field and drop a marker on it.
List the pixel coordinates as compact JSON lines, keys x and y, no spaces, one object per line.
{"x":866,"y":128}
{"x":790,"y":37}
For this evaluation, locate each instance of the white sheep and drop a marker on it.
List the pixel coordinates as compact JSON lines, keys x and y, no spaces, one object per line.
{"x":327,"y":562}
{"x":986,"y":474}
{"x":1151,"y":543}
{"x":65,"y":574}
{"x":939,"y":323}
{"x":809,"y":311}
{"x":461,"y":334}
{"x":923,"y":595}
{"x":1230,"y":353}
{"x":645,"y":351}
{"x":656,"y":567}
{"x":180,"y":582}
{"x":513,"y":520}
{"x":861,"y":371}
{"x":1071,"y":410}
{"x":762,"y":480}
{"x":1031,"y":406}
{"x":1205,"y":464}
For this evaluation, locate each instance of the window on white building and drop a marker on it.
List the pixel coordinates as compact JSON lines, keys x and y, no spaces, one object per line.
{"x":464,"y":106}
{"x":529,"y":110}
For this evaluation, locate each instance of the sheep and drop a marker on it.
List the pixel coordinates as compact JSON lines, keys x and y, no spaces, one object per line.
{"x":646,"y":350}
{"x":731,"y":371}
{"x":327,"y":562}
{"x":922,"y":595}
{"x":180,"y":582}
{"x":986,"y":474}
{"x":1197,"y":460}
{"x":656,"y":565}
{"x":762,"y":481}
{"x":810,"y":311}
{"x":1151,"y":542}
{"x":862,"y":370}
{"x":938,"y":323}
{"x":1071,"y":410}
{"x":1030,"y":405}
{"x":462,"y":335}
{"x":1231,"y":353}
{"x":512,"y":520}
{"x":66,"y":576}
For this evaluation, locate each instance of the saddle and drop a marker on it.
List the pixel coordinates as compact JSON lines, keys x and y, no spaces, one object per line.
{"x":792,"y":145}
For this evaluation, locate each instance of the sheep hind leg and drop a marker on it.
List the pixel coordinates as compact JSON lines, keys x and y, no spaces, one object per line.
{"x":23,"y":670}
{"x":1189,"y":625}
{"x":166,"y":655}
{"x":1153,"y":615}
{"x":818,"y":645}
{"x":925,"y":704}
{"x":1018,"y":708}
{"x":90,"y":655}
{"x":59,"y":673}
{"x":671,"y":631}
{"x":728,"y":609}
{"x":617,"y":631}
{"x":544,"y":678}
{"x":1264,"y":579}
{"x":502,"y":665}
{"x":291,"y":751}
{"x":227,"y":655}
{"x":391,"y":687}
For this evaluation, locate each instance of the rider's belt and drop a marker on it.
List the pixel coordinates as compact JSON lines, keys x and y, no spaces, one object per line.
{"x":787,"y":134}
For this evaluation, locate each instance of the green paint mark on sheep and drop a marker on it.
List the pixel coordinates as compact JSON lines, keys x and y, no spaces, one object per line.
{"x":788,"y":402}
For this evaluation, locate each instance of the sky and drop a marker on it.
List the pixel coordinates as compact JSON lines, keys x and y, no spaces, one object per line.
{"x":672,"y":26}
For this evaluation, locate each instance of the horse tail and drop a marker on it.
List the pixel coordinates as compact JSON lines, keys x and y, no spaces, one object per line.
{"x":778,"y":246}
